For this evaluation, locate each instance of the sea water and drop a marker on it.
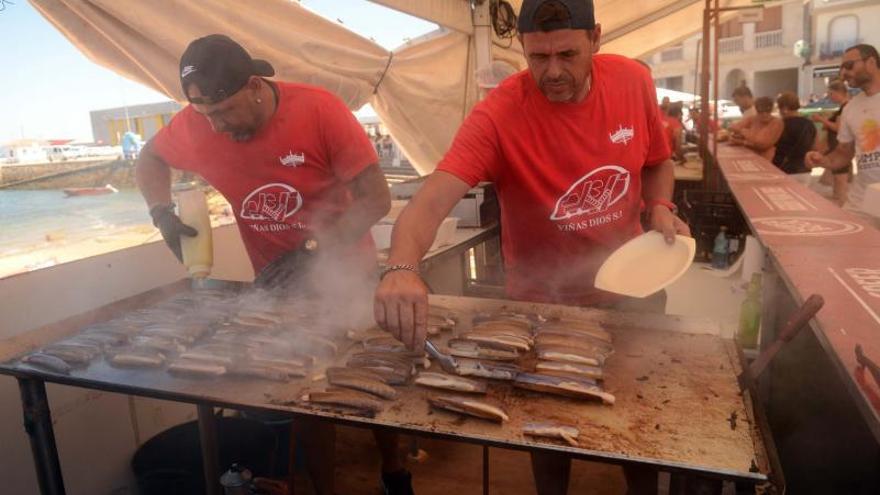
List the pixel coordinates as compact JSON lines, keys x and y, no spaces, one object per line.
{"x":32,"y":219}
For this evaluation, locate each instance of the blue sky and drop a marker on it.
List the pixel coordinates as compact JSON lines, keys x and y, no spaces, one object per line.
{"x":49,"y":87}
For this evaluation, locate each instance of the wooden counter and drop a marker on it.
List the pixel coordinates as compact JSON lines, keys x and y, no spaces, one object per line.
{"x":817,"y":248}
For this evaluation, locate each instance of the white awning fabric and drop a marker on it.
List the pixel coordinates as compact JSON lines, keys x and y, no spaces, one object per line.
{"x":422,"y":91}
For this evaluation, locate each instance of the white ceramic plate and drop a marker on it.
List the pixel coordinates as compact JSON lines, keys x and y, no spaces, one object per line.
{"x":646,"y":264}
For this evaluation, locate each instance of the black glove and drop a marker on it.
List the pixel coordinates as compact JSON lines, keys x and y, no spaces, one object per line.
{"x":286,"y":269}
{"x":171,"y":227}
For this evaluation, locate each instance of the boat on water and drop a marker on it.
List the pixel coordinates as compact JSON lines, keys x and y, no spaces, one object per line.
{"x":90,"y":191}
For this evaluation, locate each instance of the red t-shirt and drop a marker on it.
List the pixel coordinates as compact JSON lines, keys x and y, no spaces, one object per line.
{"x":289,"y":179}
{"x":567,"y":175}
{"x":671,"y":124}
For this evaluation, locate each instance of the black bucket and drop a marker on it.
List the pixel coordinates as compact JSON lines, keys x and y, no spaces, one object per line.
{"x":170,"y":463}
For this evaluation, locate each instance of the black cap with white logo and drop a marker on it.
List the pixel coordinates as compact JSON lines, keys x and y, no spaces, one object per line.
{"x":569,"y":14}
{"x":219,"y":67}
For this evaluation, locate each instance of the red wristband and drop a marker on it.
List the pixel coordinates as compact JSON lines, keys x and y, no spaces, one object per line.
{"x":662,"y":202}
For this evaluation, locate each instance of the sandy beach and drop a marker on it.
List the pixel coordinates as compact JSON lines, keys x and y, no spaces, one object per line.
{"x":59,"y":248}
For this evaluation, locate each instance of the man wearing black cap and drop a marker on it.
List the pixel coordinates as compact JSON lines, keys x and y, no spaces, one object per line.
{"x":576,"y":150}
{"x":302,"y":178}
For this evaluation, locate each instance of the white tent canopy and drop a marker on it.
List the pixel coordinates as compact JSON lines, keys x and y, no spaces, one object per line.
{"x":422,"y":92}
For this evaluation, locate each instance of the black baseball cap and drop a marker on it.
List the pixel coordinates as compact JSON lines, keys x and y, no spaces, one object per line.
{"x":581,"y":15}
{"x":219,"y":67}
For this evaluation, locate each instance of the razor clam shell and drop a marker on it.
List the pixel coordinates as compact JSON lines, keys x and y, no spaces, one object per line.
{"x":499,"y":341}
{"x":553,"y":430}
{"x":588,"y":344}
{"x":469,"y":407}
{"x":577,"y":327}
{"x":191,"y":367}
{"x":568,"y":355}
{"x":480,"y":350}
{"x":565,"y":386}
{"x":581,"y":370}
{"x":47,"y":362}
{"x":136,"y":357}
{"x":390,"y":375}
{"x":493,"y":370}
{"x":503,"y":328}
{"x":367,"y":373}
{"x":158,"y":343}
{"x":347,"y":398}
{"x":371,"y":386}
{"x":450,"y":382}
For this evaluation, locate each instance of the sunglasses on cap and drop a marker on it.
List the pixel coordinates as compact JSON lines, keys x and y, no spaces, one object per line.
{"x":849,"y":64}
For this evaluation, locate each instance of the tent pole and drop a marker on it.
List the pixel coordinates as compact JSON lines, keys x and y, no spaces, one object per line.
{"x":716,"y":38}
{"x":482,"y":20}
{"x":704,"y":91}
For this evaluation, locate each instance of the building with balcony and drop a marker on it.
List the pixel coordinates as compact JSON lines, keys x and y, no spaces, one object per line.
{"x":796,"y":46}
{"x":837,"y":25}
{"x":759,"y":54}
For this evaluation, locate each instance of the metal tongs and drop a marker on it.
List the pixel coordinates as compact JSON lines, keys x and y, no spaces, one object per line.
{"x":448,"y":363}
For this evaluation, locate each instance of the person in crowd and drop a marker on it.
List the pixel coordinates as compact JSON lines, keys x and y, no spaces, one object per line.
{"x":761,"y":131}
{"x":798,"y":136}
{"x":858,"y":135}
{"x":840,"y":178}
{"x":674,"y":130}
{"x":743,"y":98}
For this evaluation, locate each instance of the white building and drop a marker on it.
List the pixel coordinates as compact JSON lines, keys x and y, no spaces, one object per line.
{"x":837,"y":25}
{"x":796,"y":46}
{"x":22,"y":151}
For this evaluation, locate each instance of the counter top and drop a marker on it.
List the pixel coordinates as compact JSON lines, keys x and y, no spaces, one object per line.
{"x":818,"y":248}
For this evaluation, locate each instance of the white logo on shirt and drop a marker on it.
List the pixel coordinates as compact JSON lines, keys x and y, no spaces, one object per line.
{"x":273,"y":201}
{"x":622,"y":135}
{"x":593,"y":193}
{"x":189,"y":69}
{"x":292,"y":159}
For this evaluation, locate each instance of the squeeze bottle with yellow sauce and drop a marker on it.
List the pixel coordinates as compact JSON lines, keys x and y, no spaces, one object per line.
{"x":198,"y":251}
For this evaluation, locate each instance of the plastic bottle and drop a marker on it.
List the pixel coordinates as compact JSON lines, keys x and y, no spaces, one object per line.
{"x":721,"y":250}
{"x":198,"y":251}
{"x":750,"y":315}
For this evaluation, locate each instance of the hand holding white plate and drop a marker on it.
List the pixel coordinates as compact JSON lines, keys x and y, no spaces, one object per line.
{"x":645,"y":265}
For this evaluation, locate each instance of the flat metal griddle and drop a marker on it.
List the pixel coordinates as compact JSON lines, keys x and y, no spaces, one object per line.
{"x":678,"y":403}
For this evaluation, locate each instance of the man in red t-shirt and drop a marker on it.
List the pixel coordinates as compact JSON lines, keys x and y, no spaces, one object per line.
{"x":575,"y":147}
{"x":303,"y":181}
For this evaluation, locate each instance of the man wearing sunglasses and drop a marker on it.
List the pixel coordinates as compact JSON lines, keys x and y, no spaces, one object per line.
{"x":303,"y":181}
{"x":859,"y":133}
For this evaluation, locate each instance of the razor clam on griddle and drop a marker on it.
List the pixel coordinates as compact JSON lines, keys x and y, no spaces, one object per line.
{"x":565,"y":386}
{"x":500,"y":341}
{"x":192,"y":367}
{"x":584,"y":370}
{"x":576,"y":341}
{"x":481,"y":350}
{"x":370,"y":385}
{"x":351,"y":399}
{"x":47,"y":362}
{"x":569,"y":355}
{"x":470,"y":407}
{"x":450,"y":382}
{"x":136,"y":357}
{"x":576,"y":327}
{"x":366,"y":373}
{"x":73,"y":354}
{"x":482,"y":369}
{"x":553,"y":430}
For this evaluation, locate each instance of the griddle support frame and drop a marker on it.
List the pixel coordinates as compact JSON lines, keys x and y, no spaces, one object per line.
{"x":38,"y":425}
{"x":208,"y":440}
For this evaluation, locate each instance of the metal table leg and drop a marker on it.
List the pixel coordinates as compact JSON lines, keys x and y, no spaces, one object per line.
{"x":38,"y":425}
{"x":485,"y":470}
{"x":210,"y":461}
